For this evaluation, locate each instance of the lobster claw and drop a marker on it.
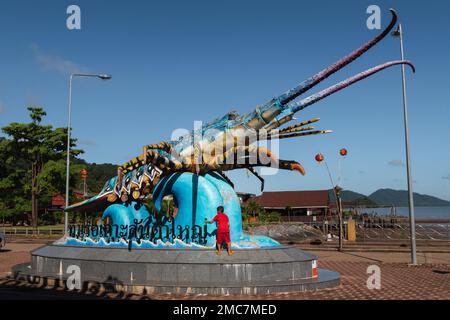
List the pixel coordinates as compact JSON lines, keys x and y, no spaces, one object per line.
{"x":298,"y":167}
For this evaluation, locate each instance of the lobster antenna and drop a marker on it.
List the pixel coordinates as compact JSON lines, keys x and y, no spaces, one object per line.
{"x":325,"y":73}
{"x":297,"y":106}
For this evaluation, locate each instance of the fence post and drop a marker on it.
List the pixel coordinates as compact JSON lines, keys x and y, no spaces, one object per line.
{"x":364,"y":232}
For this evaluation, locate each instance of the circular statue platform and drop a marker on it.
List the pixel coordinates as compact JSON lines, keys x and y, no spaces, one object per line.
{"x":248,"y":271}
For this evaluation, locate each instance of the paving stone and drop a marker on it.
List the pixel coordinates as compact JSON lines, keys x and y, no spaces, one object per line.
{"x":398,"y":281}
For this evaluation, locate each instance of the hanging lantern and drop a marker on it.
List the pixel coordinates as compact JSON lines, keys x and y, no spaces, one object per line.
{"x":343,"y":152}
{"x":83,"y":174}
{"x":319,"y":157}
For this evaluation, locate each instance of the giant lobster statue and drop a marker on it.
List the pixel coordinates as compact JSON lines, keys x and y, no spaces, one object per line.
{"x":192,"y":167}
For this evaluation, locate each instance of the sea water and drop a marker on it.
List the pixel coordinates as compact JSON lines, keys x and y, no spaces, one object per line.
{"x":419,"y":212}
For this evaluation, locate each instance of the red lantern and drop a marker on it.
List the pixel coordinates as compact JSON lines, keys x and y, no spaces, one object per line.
{"x":343,"y":152}
{"x":83,"y":173}
{"x":319,"y":157}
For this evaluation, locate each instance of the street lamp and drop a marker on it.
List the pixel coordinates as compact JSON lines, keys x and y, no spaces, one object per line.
{"x":337,"y":194}
{"x":399,"y":33}
{"x":102,"y":77}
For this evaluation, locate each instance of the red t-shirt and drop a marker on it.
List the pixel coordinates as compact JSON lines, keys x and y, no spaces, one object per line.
{"x":223,"y":224}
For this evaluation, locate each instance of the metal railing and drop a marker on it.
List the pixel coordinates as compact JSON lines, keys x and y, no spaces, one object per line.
{"x":401,"y":231}
{"x":28,"y":232}
{"x":386,"y":230}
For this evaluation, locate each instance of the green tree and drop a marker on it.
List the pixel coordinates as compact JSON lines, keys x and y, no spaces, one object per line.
{"x":11,"y":182}
{"x":253,"y":209}
{"x":33,"y":163}
{"x":98,"y":174}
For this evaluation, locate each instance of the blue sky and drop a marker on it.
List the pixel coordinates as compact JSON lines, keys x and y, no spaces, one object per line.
{"x":180,"y":61}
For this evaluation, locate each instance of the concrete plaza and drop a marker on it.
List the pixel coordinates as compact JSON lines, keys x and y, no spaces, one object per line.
{"x":429,"y":280}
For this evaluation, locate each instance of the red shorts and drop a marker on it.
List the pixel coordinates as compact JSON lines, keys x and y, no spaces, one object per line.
{"x":223,"y":237}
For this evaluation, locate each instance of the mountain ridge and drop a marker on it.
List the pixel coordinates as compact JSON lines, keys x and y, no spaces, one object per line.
{"x":392,"y":197}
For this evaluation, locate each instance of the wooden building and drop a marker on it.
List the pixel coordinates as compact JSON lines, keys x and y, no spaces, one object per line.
{"x":294,"y":205}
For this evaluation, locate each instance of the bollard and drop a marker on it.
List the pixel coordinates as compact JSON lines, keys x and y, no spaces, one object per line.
{"x":351,"y":230}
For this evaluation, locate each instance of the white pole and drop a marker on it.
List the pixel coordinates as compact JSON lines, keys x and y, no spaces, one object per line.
{"x":408,"y":162}
{"x":102,"y":77}
{"x":66,"y":214}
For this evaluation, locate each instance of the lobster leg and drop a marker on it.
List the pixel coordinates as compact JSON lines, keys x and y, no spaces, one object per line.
{"x":225,"y":177}
{"x":246,"y":152}
{"x":154,"y":157}
{"x":298,"y":134}
{"x":132,"y":164}
{"x":151,"y":156}
{"x":297,"y":127}
{"x":163,"y":145}
{"x":163,"y":162}
{"x":290,"y":130}
{"x":253,"y":171}
{"x":142,"y":159}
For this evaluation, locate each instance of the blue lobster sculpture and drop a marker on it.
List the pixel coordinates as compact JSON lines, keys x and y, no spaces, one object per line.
{"x":192,"y":167}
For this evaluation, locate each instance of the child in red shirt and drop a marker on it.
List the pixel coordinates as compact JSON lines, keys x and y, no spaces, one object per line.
{"x":223,"y":231}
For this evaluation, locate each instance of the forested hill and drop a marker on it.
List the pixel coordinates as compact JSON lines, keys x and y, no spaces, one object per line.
{"x":399,"y":198}
{"x":98,"y":174}
{"x":390,"y":197}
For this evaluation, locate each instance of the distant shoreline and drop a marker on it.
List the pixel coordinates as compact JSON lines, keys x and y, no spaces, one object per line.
{"x":433,"y":220}
{"x":422,"y":213}
{"x":430,"y":220}
{"x":394,"y":206}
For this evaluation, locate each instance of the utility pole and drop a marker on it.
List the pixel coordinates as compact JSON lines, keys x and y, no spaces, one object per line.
{"x":399,"y":33}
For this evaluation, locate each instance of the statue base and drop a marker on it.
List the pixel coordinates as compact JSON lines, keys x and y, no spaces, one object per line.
{"x":179,"y":271}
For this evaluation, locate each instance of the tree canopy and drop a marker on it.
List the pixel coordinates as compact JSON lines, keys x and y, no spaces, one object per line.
{"x":32,"y":165}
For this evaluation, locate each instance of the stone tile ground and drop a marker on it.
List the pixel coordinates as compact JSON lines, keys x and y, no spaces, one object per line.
{"x":398,"y":280}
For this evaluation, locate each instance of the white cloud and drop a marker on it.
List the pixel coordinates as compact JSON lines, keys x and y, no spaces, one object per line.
{"x":396,"y":163}
{"x":55,"y":63}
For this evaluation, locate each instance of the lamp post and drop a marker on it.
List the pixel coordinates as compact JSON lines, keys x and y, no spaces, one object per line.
{"x":399,"y":33}
{"x":83,"y":176}
{"x":102,"y":77}
{"x":337,"y":194}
